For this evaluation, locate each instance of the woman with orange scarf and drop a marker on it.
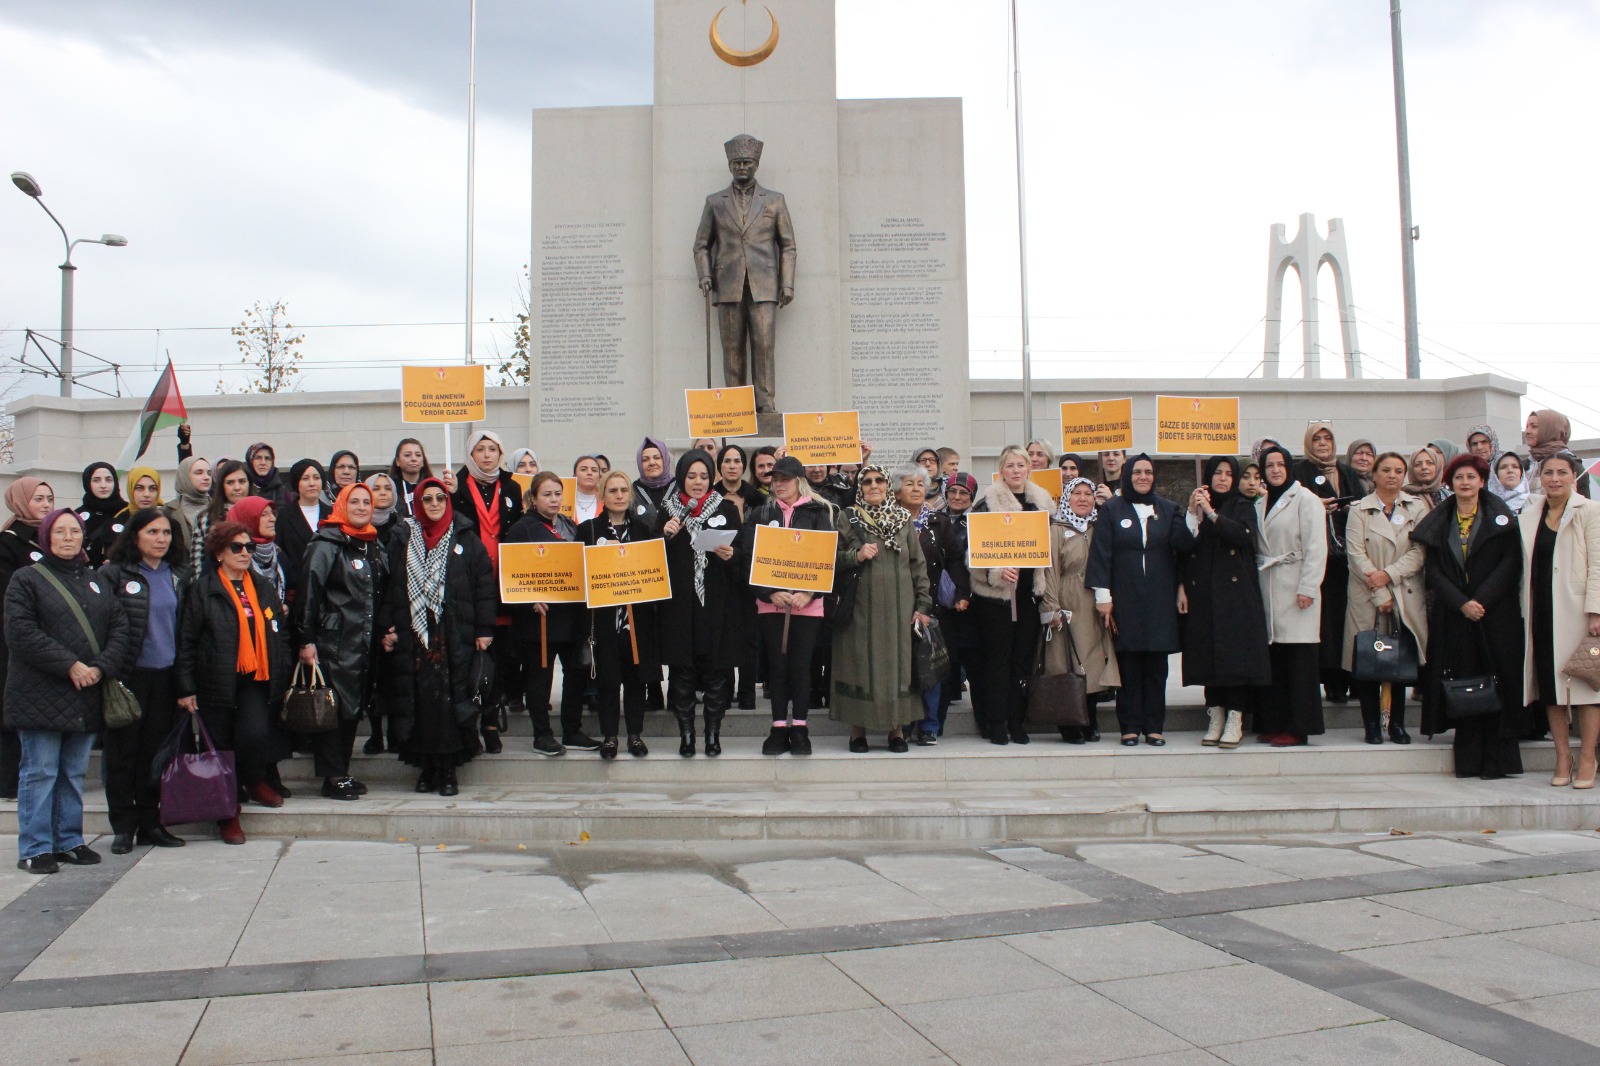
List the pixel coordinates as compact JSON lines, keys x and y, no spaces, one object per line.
{"x":233,"y":662}
{"x":342,"y":585}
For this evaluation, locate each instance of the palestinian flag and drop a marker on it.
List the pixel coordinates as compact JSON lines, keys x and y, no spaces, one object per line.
{"x":164,"y":408}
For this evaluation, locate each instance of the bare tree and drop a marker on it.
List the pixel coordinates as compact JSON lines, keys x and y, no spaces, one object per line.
{"x":269,"y":348}
{"x":517,"y":368}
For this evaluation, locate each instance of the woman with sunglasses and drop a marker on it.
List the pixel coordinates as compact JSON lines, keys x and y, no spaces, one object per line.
{"x":232,"y":665}
{"x":880,"y":552}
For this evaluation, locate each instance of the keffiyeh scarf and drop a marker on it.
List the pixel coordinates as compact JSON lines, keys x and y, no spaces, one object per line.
{"x":693,"y":516}
{"x":425,"y":577}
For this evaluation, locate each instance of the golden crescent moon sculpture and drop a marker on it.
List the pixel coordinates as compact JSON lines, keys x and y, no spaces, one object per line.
{"x":739,"y":58}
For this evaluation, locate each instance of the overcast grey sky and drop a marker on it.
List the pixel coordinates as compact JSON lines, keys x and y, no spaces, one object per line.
{"x":314,"y":151}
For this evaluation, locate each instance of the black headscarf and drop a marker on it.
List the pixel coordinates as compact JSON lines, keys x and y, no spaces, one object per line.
{"x":1212,"y":464}
{"x":1275,"y":492}
{"x":297,"y":471}
{"x":329,"y":493}
{"x":1127,"y":490}
{"x":94,"y":507}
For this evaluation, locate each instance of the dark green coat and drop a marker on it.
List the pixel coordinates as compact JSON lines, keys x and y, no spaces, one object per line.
{"x":872,"y":684}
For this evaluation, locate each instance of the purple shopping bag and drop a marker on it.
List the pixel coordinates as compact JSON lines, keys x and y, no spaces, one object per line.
{"x":200,"y":786}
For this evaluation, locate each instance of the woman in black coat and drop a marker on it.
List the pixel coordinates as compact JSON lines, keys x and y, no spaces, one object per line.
{"x":441,"y":611}
{"x":28,"y":499}
{"x":235,"y":688}
{"x":54,"y":687}
{"x":550,"y":631}
{"x":793,"y":506}
{"x":624,"y":641}
{"x":491,"y":500}
{"x":1475,"y":619}
{"x":342,"y":585}
{"x":299,"y":520}
{"x":148,"y":572}
{"x":700,"y":636}
{"x":1224,"y":625}
{"x":1338,"y":486}
{"x":1140,"y":544}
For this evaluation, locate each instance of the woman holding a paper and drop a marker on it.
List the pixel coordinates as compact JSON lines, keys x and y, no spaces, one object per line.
{"x":623,"y":638}
{"x":881,"y":557}
{"x":1133,"y":569}
{"x":700,"y":636}
{"x":551,"y":631}
{"x":1005,"y":608}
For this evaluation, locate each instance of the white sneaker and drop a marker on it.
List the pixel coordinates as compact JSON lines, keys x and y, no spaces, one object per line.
{"x":1233,"y":732}
{"x":1214,"y":730}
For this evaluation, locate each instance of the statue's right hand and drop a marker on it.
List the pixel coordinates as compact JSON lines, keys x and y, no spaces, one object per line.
{"x":705,"y":285}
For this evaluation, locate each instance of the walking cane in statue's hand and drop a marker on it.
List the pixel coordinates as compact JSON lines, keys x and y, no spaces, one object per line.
{"x":708,"y":337}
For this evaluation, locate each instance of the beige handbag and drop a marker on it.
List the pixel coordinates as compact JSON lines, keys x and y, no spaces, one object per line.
{"x":1584,"y":664}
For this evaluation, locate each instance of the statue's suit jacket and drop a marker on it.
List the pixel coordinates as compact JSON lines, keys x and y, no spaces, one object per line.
{"x":762,"y":251}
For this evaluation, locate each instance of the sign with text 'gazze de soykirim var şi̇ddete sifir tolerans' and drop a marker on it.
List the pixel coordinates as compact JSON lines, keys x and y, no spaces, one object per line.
{"x":874,"y":317}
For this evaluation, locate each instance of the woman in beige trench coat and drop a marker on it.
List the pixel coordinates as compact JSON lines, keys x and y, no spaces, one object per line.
{"x":1386,"y":578}
{"x":1064,"y":591}
{"x":1560,"y":607}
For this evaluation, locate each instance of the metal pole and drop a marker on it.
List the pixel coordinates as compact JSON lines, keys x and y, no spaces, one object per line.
{"x":472,"y":144}
{"x":1408,"y":231}
{"x":67,"y":272}
{"x":1022,"y":236}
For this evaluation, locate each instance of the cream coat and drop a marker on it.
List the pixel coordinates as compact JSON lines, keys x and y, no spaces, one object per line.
{"x":1293,"y":556}
{"x":1575,"y":578}
{"x":1064,"y":590}
{"x":986,"y":580}
{"x":1372,"y":543}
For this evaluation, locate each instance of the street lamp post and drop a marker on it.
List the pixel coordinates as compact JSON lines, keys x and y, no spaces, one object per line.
{"x":25,"y":181}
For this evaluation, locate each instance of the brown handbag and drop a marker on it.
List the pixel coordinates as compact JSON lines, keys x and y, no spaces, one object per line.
{"x":1056,"y":700}
{"x":1584,"y":663}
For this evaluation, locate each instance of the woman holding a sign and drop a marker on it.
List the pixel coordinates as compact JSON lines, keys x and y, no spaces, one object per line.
{"x":623,"y":638}
{"x":789,"y":620}
{"x":1294,"y":555}
{"x":442,"y":611}
{"x":1133,"y":569}
{"x":700,"y":636}
{"x":884,"y":590}
{"x":1004,"y":606}
{"x":551,"y":631}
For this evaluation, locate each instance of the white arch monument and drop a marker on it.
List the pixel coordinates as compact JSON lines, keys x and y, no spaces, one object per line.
{"x":1306,"y":254}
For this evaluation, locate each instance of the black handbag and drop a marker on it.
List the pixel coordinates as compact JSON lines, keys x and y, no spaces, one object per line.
{"x":482,"y":681}
{"x":844,"y":603}
{"x":309,"y":708}
{"x":930,"y":660}
{"x":1474,"y":696}
{"x":1057,"y":700}
{"x":1385,"y":657}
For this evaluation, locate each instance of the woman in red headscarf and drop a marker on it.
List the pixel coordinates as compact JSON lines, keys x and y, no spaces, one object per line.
{"x":342,"y":586}
{"x":441,"y":611}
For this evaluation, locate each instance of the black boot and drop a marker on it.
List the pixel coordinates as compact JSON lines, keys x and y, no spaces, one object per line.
{"x":1397,"y":725}
{"x":713,"y":734}
{"x":778,"y":739}
{"x":685,"y":733}
{"x":374,"y":744}
{"x":1374,"y":726}
{"x":799,"y":740}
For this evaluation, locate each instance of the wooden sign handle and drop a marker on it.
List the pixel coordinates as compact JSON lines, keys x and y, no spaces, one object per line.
{"x":544,"y":641}
{"x":633,"y":635}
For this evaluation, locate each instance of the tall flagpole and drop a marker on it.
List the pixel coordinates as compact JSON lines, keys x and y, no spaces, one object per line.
{"x":1022,"y":234}
{"x":1408,"y":231}
{"x":472,"y":179}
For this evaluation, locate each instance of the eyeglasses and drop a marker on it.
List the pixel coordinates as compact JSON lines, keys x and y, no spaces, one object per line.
{"x":434,"y":497}
{"x":874,"y":481}
{"x":238,"y":549}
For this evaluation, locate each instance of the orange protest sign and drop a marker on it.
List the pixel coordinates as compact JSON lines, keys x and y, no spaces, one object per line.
{"x":524,"y":480}
{"x":1008,"y":538}
{"x":1049,"y":480}
{"x":1197,"y":425}
{"x":823,"y":438}
{"x":800,"y":560}
{"x":729,"y":412}
{"x":627,"y":573}
{"x":441,"y":393}
{"x":569,"y":497}
{"x":550,"y":572}
{"x":1097,"y":425}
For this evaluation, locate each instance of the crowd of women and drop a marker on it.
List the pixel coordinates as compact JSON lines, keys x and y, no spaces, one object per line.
{"x":1480,"y":567}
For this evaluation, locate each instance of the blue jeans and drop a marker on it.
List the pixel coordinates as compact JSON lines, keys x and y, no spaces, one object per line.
{"x":50,"y":791}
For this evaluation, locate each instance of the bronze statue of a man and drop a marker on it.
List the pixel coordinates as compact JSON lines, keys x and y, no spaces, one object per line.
{"x":744,"y":256}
